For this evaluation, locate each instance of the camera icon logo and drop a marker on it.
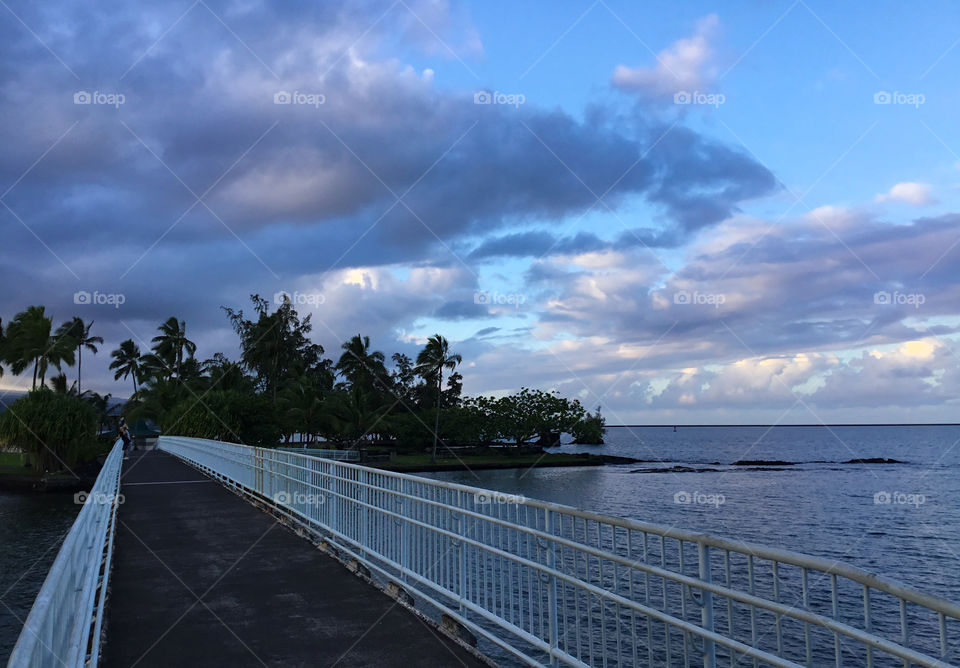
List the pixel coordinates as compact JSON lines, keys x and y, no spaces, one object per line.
{"x":282,"y":97}
{"x":881,"y":498}
{"x":482,"y":97}
{"x":283,"y":498}
{"x":482,"y":297}
{"x":80,"y":498}
{"x":82,"y":297}
{"x":280,"y":297}
{"x":682,"y":97}
{"x":482,"y":498}
{"x":881,"y":97}
{"x":681,"y":297}
{"x":682,"y":497}
{"x":882,"y":297}
{"x":81,"y":97}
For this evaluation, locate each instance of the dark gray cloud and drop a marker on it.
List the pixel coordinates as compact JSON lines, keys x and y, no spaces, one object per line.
{"x":199,"y":99}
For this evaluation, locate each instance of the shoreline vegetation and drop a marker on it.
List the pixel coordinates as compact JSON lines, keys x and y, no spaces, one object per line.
{"x":281,"y":387}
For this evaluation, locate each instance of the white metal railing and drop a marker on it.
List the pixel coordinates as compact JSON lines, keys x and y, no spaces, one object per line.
{"x":327,"y":453}
{"x":551,"y":584}
{"x":63,"y":627}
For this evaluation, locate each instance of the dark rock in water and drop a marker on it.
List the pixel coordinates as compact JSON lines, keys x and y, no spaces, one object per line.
{"x":675,"y":469}
{"x":614,"y":459}
{"x":762,"y":462}
{"x":873,"y":460}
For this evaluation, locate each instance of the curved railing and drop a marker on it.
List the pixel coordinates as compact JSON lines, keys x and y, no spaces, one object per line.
{"x":551,"y":584}
{"x":63,"y":627}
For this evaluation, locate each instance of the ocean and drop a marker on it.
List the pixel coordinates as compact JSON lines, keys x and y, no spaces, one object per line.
{"x":900,"y":520}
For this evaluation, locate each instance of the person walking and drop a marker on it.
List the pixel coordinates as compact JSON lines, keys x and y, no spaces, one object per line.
{"x":125,"y":436}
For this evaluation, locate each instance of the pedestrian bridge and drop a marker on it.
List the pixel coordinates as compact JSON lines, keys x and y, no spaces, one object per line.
{"x":213,"y":553}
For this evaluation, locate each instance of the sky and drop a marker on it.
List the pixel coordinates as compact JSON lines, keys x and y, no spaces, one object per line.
{"x":683,"y":213}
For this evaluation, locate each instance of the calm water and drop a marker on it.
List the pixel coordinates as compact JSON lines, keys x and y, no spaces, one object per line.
{"x":817,"y":506}
{"x":32,"y":527}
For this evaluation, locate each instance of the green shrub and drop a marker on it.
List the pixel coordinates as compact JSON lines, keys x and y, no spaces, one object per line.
{"x":55,"y":429}
{"x":590,"y":429}
{"x":227,"y":416}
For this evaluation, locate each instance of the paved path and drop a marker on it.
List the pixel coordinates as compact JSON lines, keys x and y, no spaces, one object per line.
{"x":203,"y":578}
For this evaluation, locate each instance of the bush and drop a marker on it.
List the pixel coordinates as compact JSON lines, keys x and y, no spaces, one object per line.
{"x":412,"y":432}
{"x":55,"y":429}
{"x":590,"y":429}
{"x":226,"y":416}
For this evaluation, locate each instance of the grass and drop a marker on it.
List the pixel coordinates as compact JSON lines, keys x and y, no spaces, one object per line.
{"x":17,"y":459}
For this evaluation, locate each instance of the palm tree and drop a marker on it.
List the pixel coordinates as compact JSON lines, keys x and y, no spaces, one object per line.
{"x":431,"y":362}
{"x":79,"y":331}
{"x":154,"y":368}
{"x":302,"y":405}
{"x":361,"y":366}
{"x":172,"y":342}
{"x":127,"y":362}
{"x":29,"y":342}
{"x":100,"y":403}
{"x":225,"y":375}
{"x":59,"y":384}
{"x":356,"y":413}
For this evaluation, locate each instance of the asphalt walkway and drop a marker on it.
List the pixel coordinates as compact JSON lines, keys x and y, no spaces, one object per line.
{"x":203,"y":578}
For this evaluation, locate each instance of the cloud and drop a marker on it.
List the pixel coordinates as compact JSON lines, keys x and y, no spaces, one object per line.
{"x":749,"y":288}
{"x":918,"y":194}
{"x":305,"y":198}
{"x":920,"y":372}
{"x":686,"y":65}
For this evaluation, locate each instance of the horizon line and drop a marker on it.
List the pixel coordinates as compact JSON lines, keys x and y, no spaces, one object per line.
{"x":828,"y":424}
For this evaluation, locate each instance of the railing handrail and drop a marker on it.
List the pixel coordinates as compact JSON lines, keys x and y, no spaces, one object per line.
{"x":358,"y":474}
{"x":63,"y":626}
{"x":785,"y":556}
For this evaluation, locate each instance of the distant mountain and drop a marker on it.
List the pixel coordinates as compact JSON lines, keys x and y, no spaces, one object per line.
{"x":7,"y":397}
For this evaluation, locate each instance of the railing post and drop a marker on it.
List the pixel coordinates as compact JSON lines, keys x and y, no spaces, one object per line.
{"x":258,"y":470}
{"x":362,"y":533}
{"x":553,"y":610}
{"x":706,"y":600}
{"x":334,"y":482}
{"x":406,"y":509}
{"x":462,"y":530}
